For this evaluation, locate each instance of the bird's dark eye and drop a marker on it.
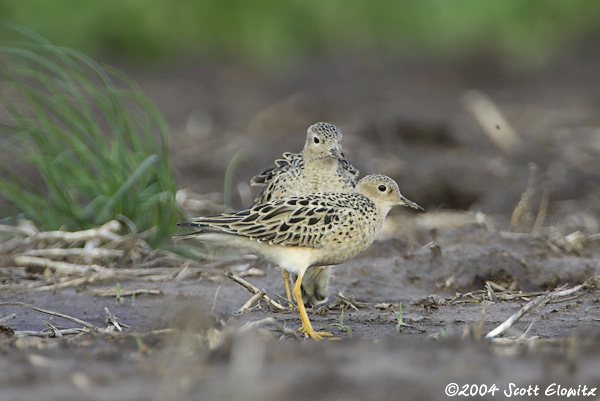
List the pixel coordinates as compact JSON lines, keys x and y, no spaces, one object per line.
{"x":316,"y":140}
{"x":382,"y":188}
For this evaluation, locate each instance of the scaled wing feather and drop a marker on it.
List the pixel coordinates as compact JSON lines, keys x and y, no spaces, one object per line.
{"x":298,"y":221}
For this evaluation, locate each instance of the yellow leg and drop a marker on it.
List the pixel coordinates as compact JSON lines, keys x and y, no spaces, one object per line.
{"x":286,"y":281}
{"x":306,"y":327}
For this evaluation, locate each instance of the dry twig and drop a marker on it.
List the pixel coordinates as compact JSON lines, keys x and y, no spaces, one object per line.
{"x":105,"y":232}
{"x":521,"y":216}
{"x":112,"y":292}
{"x":531,"y":305}
{"x":254,"y":290}
{"x":349,"y":301}
{"x":64,"y":268}
{"x":542,"y":211}
{"x":52,"y":313}
{"x":215,"y":300}
{"x":7,"y":318}
{"x":53,"y":333}
{"x":112,"y":319}
{"x":251,"y":301}
{"x":93,"y":253}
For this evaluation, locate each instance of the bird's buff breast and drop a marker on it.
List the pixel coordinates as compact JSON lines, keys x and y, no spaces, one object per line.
{"x":324,"y":180}
{"x":338,"y":249}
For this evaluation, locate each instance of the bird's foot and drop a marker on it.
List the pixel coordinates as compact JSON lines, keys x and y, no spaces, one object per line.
{"x":317,"y":335}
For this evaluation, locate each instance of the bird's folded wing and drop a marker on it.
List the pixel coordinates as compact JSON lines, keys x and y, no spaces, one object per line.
{"x":350,"y":170}
{"x":281,"y":165}
{"x":298,"y":221}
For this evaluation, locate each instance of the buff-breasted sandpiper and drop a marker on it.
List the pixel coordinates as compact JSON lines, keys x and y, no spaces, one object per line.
{"x":320,"y":167}
{"x":307,"y":230}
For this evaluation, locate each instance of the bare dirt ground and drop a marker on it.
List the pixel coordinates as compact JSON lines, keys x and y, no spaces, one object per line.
{"x":499,"y":233}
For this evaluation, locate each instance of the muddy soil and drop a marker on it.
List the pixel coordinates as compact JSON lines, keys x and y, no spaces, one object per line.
{"x":447,"y":269}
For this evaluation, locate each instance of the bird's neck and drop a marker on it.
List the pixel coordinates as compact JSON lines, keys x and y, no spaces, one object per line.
{"x":327,"y":160}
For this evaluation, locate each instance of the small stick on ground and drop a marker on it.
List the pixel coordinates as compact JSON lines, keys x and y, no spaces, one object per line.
{"x":112,"y":292}
{"x":284,"y":299}
{"x":94,"y":253}
{"x":349,"y":301}
{"x":106,"y":232}
{"x":64,"y":284}
{"x":251,"y":301}
{"x":531,"y":305}
{"x":543,"y":210}
{"x":112,"y":319}
{"x":7,"y":318}
{"x":215,"y":300}
{"x":519,"y":220}
{"x":62,"y":267}
{"x":53,"y":333}
{"x":491,"y":294}
{"x":254,"y":290}
{"x":52,"y":313}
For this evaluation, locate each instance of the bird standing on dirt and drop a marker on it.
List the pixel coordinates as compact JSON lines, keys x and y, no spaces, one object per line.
{"x":320,"y":167}
{"x":307,"y":230}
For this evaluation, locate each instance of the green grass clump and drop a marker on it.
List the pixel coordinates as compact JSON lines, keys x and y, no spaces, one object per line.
{"x":97,"y":145}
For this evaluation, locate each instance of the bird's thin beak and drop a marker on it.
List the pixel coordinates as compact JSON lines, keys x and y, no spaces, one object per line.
{"x":409,"y":203}
{"x":337,"y":152}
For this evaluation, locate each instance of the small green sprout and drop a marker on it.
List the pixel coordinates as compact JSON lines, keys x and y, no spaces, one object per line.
{"x":341,"y":325}
{"x":398,"y":314}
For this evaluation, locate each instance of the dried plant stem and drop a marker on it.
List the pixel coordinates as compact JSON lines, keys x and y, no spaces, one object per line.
{"x":86,"y":274}
{"x":112,"y":319}
{"x":52,"y":313}
{"x":520,"y":214}
{"x":251,"y":301}
{"x":53,"y":333}
{"x":215,"y":300}
{"x":7,"y":318}
{"x":94,"y":253}
{"x":65,"y":268}
{"x":543,"y":210}
{"x":106,"y":232}
{"x":349,"y":301}
{"x":111,"y":292}
{"x":531,"y":305}
{"x":254,"y":290}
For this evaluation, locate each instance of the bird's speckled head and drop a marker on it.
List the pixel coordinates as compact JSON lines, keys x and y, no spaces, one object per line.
{"x":384,"y":192}
{"x":323,"y":140}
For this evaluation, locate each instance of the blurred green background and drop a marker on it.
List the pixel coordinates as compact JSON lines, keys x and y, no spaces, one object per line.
{"x":275,"y":33}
